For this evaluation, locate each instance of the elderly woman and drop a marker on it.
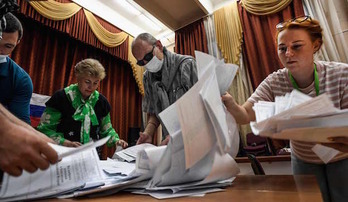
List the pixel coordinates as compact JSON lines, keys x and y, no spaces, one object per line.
{"x":298,"y":40}
{"x":78,"y":113}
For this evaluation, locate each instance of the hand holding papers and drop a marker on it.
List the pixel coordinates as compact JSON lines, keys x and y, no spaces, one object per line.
{"x":313,"y":120}
{"x":78,"y":166}
{"x":200,"y":112}
{"x":195,"y":122}
{"x":225,"y":73}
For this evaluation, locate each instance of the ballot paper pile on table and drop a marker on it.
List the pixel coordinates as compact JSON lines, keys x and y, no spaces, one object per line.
{"x":204,"y":140}
{"x":297,"y":116}
{"x":130,"y":154}
{"x":204,"y":137}
{"x":198,"y":159}
{"x":79,"y":173}
{"x":77,"y":167}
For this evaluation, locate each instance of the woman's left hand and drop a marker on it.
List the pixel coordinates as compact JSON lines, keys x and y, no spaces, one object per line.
{"x":122,"y":143}
{"x":339,"y":143}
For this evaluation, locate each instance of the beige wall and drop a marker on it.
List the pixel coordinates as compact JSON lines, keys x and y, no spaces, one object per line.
{"x":171,"y":47}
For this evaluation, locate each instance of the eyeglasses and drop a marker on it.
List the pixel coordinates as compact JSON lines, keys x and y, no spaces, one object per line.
{"x":297,"y":20}
{"x":146,"y":58}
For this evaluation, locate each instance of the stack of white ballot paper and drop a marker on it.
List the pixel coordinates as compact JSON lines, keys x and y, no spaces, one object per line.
{"x":297,"y":116}
{"x":204,"y":137}
{"x":130,"y":154}
{"x":198,"y":159}
{"x":204,"y":140}
{"x":79,"y":166}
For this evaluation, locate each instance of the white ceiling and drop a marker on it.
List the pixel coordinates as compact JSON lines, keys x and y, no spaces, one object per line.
{"x":167,"y":15}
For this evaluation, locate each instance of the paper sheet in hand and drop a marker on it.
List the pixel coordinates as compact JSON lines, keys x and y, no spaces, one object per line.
{"x":339,"y":119}
{"x":225,"y":73}
{"x":224,"y":124}
{"x":308,"y":119}
{"x":313,"y":107}
{"x":214,"y":107}
{"x":71,"y":172}
{"x":205,"y":62}
{"x":313,"y":134}
{"x":170,"y":119}
{"x":84,"y":147}
{"x":195,"y":123}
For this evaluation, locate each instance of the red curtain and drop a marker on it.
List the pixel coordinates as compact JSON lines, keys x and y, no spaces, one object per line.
{"x":78,"y":28}
{"x":191,"y":38}
{"x":259,"y":48}
{"x":49,"y":57}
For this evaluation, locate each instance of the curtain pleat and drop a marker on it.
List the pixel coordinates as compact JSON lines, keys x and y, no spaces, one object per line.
{"x":264,"y":7}
{"x":191,"y":38}
{"x":55,"y":10}
{"x":78,"y":28}
{"x":109,"y":39}
{"x":84,"y":26}
{"x":61,"y":11}
{"x":49,"y":57}
{"x":229,"y":32}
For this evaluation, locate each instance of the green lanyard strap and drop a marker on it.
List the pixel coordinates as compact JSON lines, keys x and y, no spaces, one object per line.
{"x":316,"y":81}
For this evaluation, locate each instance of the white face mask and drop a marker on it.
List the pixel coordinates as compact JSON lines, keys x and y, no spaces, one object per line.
{"x":154,"y":65}
{"x":3,"y":58}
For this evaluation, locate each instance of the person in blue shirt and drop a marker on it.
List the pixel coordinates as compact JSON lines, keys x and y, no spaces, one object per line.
{"x":15,"y":84}
{"x":21,"y":146}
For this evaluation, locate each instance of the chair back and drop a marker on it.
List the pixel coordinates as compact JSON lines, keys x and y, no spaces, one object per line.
{"x":256,"y":165}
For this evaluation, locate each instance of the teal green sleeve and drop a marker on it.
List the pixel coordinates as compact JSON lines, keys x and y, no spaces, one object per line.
{"x":48,"y":125}
{"x":107,"y":129}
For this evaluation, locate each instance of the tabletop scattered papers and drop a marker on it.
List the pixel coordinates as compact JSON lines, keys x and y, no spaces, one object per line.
{"x":69,"y":174}
{"x":114,"y":167}
{"x":66,"y":151}
{"x":203,"y":138}
{"x":198,"y":159}
{"x":130,"y":154}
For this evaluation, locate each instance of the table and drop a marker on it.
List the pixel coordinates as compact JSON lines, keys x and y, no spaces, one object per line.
{"x":244,"y":188}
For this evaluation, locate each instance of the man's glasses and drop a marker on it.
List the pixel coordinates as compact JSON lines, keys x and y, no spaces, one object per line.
{"x":294,"y":20}
{"x":146,"y":58}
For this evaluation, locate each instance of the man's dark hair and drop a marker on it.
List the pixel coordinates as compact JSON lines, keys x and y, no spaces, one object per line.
{"x":13,"y":25}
